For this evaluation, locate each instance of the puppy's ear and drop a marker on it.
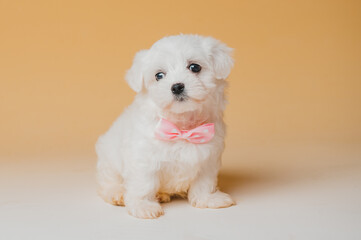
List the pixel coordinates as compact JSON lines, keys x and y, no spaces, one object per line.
{"x":134,"y":75}
{"x":221,"y":57}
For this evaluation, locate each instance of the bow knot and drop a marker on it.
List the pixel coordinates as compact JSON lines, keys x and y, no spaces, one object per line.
{"x":167,"y":131}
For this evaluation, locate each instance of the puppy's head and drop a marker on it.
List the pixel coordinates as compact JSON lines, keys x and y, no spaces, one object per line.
{"x":179,"y":73}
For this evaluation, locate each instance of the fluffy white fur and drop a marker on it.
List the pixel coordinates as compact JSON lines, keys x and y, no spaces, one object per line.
{"x":137,"y":170}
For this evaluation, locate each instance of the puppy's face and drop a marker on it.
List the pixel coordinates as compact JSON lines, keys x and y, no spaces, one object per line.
{"x":180,"y":72}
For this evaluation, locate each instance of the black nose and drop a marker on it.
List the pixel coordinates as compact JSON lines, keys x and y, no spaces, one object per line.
{"x":177,"y":88}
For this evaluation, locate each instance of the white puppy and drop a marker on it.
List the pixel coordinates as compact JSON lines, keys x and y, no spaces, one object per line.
{"x":180,"y":79}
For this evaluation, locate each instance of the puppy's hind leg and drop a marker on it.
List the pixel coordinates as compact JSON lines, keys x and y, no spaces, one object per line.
{"x":110,"y":185}
{"x":163,"y":197}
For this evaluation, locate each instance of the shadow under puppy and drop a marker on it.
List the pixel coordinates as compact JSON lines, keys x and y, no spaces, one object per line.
{"x":169,"y":141}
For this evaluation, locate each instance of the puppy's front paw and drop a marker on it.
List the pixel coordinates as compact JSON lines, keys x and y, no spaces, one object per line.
{"x":217,"y":199}
{"x":145,"y":209}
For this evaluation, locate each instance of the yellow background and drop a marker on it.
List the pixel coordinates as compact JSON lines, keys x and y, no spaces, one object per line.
{"x":296,"y":83}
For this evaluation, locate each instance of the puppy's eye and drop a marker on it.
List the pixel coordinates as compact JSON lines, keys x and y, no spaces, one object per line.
{"x":195,"y":68}
{"x":159,"y":76}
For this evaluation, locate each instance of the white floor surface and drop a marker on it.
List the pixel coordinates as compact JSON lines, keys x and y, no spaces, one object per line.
{"x":55,"y":198}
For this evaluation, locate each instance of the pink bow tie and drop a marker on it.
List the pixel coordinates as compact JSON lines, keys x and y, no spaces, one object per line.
{"x":167,"y":131}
